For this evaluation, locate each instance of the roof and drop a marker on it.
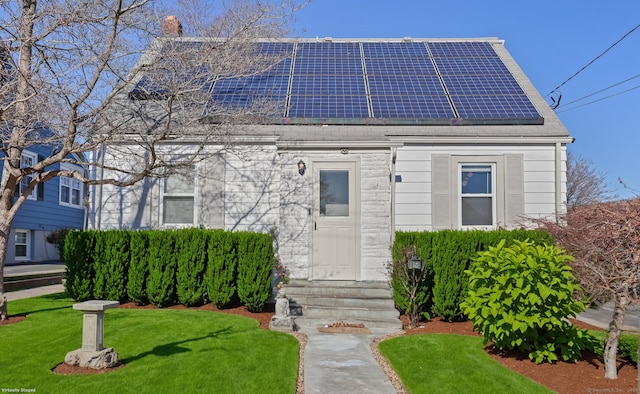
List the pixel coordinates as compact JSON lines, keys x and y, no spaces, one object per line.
{"x":439,"y":82}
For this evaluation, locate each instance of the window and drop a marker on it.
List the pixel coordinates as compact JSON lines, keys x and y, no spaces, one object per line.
{"x":22,"y":244}
{"x":480,"y":191}
{"x":334,"y":192}
{"x":178,"y":199}
{"x":27,"y":159}
{"x":70,"y":192}
{"x":477,"y":198}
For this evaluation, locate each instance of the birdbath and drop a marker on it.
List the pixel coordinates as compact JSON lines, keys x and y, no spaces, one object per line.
{"x":93,"y":323}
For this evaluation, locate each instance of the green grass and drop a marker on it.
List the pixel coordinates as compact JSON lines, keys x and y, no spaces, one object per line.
{"x":447,"y":363}
{"x":165,"y":351}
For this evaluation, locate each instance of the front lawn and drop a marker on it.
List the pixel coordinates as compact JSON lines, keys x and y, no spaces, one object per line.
{"x":447,"y":363}
{"x":164,"y":350}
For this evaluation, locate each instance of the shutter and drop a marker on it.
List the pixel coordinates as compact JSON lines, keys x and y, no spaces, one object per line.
{"x":441,"y":204}
{"x":40,"y":186}
{"x":40,"y":191}
{"x":514,"y":189}
{"x":210,"y":198}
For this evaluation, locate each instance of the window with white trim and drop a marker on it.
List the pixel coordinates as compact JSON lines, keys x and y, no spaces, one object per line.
{"x":27,"y":159}
{"x":22,"y":244}
{"x":70,"y":192}
{"x":477,"y":204}
{"x":178,"y":198}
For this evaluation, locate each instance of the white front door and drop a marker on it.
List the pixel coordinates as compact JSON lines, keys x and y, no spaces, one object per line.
{"x":336,"y":213}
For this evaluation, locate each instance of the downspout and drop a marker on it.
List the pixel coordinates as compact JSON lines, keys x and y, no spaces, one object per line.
{"x":394,"y":155}
{"x":558,"y":180}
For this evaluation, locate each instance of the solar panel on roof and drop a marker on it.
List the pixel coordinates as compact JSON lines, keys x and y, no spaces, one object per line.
{"x":325,"y":106}
{"x":461,"y":49}
{"x":395,"y":81}
{"x":481,"y":84}
{"x":394,"y":49}
{"x":328,"y":50}
{"x":494,"y":107}
{"x":420,"y":85}
{"x":412,"y":107}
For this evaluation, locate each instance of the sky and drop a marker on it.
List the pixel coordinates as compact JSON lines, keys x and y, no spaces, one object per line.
{"x":551,"y":40}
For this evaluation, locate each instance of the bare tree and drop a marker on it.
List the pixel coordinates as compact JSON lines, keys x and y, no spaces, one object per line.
{"x":605,"y":240}
{"x":71,"y":79}
{"x":585,"y":184}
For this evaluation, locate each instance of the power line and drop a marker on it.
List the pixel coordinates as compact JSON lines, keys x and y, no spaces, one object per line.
{"x":600,"y":99}
{"x":596,"y":58}
{"x":601,"y":90}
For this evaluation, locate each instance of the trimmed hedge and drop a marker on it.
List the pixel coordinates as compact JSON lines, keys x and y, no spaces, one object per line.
{"x":446,"y":255}
{"x":191,"y":252}
{"x":78,"y":256}
{"x":161,"y":283}
{"x":110,"y":262}
{"x":255,"y":266}
{"x":222,"y":268}
{"x":164,"y":267}
{"x":138,"y":267}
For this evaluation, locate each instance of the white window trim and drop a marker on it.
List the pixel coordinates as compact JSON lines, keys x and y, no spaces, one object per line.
{"x":71,"y":188}
{"x":28,"y":245}
{"x":34,"y":193}
{"x":194,"y":195}
{"x":493,"y":194}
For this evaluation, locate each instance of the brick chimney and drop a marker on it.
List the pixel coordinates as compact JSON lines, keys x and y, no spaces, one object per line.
{"x":171,"y":26}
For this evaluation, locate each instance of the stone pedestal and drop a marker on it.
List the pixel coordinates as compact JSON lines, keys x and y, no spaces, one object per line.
{"x":92,"y":354}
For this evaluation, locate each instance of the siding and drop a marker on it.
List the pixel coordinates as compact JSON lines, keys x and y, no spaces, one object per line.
{"x":43,"y":216}
{"x":413,"y":175}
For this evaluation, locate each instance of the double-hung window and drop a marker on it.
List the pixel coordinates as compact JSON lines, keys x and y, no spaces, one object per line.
{"x":178,"y":198}
{"x":27,"y":159}
{"x":22,"y":244}
{"x":70,"y":192}
{"x":477,"y":204}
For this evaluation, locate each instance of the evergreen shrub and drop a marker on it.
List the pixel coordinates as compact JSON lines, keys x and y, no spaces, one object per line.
{"x":221,"y":272}
{"x":446,"y":255}
{"x":161,"y":282}
{"x":111,"y":262}
{"x":255,"y":266}
{"x":191,"y":249}
{"x":138,"y":267}
{"x":78,"y":252}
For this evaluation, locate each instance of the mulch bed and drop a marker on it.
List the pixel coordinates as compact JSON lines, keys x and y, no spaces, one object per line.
{"x":584,"y":376}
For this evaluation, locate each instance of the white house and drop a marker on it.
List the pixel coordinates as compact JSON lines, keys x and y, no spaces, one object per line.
{"x":374,"y":136}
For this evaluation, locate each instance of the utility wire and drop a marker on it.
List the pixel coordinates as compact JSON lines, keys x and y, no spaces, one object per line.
{"x":600,"y":99}
{"x":601,"y":90}
{"x":596,"y":58}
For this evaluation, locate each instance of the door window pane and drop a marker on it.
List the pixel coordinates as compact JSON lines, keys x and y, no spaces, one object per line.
{"x":334,"y":193}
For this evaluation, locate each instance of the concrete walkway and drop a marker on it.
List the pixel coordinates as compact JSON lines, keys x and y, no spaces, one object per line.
{"x":342,"y":363}
{"x":35,"y":292}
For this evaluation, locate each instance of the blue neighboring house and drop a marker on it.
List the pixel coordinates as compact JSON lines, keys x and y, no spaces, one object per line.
{"x":56,"y":204}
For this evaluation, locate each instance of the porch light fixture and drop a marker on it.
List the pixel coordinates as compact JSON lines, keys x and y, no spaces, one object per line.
{"x":302,"y":167}
{"x":415,"y":263}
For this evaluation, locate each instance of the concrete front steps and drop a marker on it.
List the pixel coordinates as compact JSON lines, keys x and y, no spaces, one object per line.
{"x":327,"y":302}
